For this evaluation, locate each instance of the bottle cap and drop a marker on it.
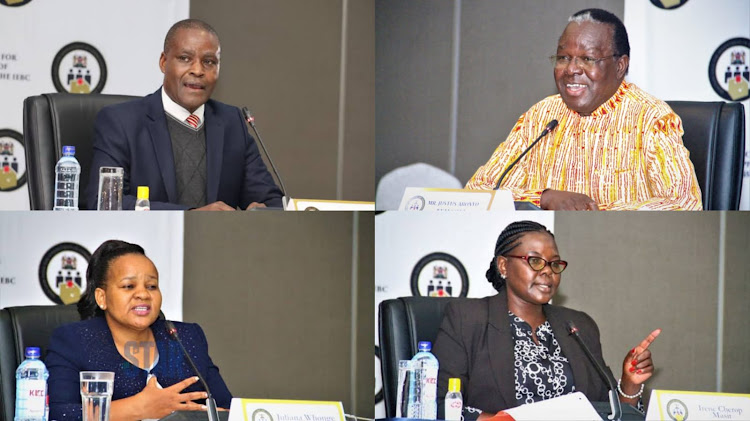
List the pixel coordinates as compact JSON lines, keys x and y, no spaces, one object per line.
{"x":32,"y":351}
{"x":142,"y":192}
{"x":454,"y":385}
{"x":424,"y":346}
{"x":69,"y":150}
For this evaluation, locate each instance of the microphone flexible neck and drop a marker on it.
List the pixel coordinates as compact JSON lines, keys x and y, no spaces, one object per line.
{"x":547,"y":129}
{"x":213,"y":413}
{"x":614,"y":401}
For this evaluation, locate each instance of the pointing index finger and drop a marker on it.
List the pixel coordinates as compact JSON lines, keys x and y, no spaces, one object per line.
{"x":648,"y":341}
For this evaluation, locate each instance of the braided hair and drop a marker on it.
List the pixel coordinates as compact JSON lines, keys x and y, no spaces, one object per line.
{"x":509,"y":239}
{"x":96,"y":274}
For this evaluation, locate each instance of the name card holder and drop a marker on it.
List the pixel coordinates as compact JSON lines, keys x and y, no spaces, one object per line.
{"x":432,"y":199}
{"x":676,"y":405}
{"x":328,"y":205}
{"x":284,"y":410}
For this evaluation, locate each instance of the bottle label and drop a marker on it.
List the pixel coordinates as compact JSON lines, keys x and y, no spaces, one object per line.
{"x":31,"y":398}
{"x":429,"y":393}
{"x":453,"y":408}
{"x":430,"y":387}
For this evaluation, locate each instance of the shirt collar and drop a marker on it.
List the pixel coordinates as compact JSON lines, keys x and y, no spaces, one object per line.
{"x":612,"y":103}
{"x":175,"y":110}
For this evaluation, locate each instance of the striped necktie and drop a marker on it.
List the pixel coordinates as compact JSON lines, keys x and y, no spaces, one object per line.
{"x":193,"y":121}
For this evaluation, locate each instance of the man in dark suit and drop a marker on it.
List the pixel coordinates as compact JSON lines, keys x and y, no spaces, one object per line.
{"x":191,"y":151}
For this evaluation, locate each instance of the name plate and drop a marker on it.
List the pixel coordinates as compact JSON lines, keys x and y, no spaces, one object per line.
{"x":328,"y":205}
{"x":284,"y":410}
{"x":675,"y":405}
{"x":432,"y":199}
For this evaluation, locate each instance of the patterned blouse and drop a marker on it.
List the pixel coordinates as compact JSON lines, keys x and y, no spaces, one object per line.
{"x":628,"y":154}
{"x":541,"y":371}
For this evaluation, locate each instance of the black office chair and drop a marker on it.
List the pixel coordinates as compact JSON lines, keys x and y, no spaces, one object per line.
{"x":51,"y":121}
{"x":21,"y":327}
{"x":402,"y":323}
{"x":715,"y":137}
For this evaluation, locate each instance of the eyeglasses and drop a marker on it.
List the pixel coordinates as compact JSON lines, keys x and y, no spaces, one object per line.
{"x":586,"y":63}
{"x":538,"y":263}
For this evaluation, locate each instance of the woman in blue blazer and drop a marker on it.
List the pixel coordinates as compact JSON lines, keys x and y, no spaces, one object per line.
{"x":121,"y":332}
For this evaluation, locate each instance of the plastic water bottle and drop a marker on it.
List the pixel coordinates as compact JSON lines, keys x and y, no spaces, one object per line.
{"x":67,"y":176}
{"x":454,"y":402}
{"x":142,"y":203}
{"x":428,"y":372}
{"x":31,"y":388}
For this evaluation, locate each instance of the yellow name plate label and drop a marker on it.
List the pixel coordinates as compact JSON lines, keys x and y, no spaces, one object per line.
{"x":328,"y":205}
{"x":461,"y":200}
{"x":285,"y":410}
{"x":676,"y":405}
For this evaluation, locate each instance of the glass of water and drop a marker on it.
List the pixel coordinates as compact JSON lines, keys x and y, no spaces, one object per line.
{"x":96,"y":394}
{"x":407,"y":395}
{"x":110,"y":188}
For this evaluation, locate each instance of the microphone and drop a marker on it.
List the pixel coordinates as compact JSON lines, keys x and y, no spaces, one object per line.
{"x":548,"y":128}
{"x":614,"y":401}
{"x":251,"y":120}
{"x":213,"y":414}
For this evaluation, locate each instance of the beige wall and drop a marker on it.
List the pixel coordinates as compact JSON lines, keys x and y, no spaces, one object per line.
{"x":283,"y":59}
{"x":634,"y":272}
{"x":286,"y":302}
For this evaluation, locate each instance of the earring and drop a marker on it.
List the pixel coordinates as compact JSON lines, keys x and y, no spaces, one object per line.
{"x":502,"y":276}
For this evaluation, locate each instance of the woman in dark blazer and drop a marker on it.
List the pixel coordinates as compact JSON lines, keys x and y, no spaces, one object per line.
{"x":513,"y":348}
{"x":121,"y":332}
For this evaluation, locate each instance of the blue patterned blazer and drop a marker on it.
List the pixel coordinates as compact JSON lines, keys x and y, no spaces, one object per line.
{"x":88,"y":346}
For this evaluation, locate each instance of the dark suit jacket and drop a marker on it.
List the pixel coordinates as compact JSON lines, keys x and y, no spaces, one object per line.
{"x":88,"y":346}
{"x":475,"y":344}
{"x":134,"y":136}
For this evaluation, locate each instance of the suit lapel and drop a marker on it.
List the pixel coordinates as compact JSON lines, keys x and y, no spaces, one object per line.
{"x":157,"y":128}
{"x":214,"y":152}
{"x":500,"y":342}
{"x":579,"y":363}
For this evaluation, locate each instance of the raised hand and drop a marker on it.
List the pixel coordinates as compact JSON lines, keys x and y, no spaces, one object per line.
{"x":638,"y":366}
{"x":158,"y":403}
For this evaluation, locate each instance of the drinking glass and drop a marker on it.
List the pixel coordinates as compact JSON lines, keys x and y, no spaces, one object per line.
{"x":96,"y":394}
{"x":110,"y":188}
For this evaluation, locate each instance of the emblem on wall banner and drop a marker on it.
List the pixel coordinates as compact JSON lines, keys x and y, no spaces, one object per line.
{"x":439,"y":275}
{"x":729,"y":69}
{"x":12,"y":160}
{"x":62,"y":272}
{"x":676,"y":410}
{"x":668,"y":4}
{"x":14,"y":3}
{"x":79,"y":68}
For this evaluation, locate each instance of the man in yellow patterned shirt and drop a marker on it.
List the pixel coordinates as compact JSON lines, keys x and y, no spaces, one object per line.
{"x":616,"y":147}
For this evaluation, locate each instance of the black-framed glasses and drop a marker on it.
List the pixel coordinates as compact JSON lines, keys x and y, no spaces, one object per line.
{"x":537,"y":263}
{"x":584,"y":62}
